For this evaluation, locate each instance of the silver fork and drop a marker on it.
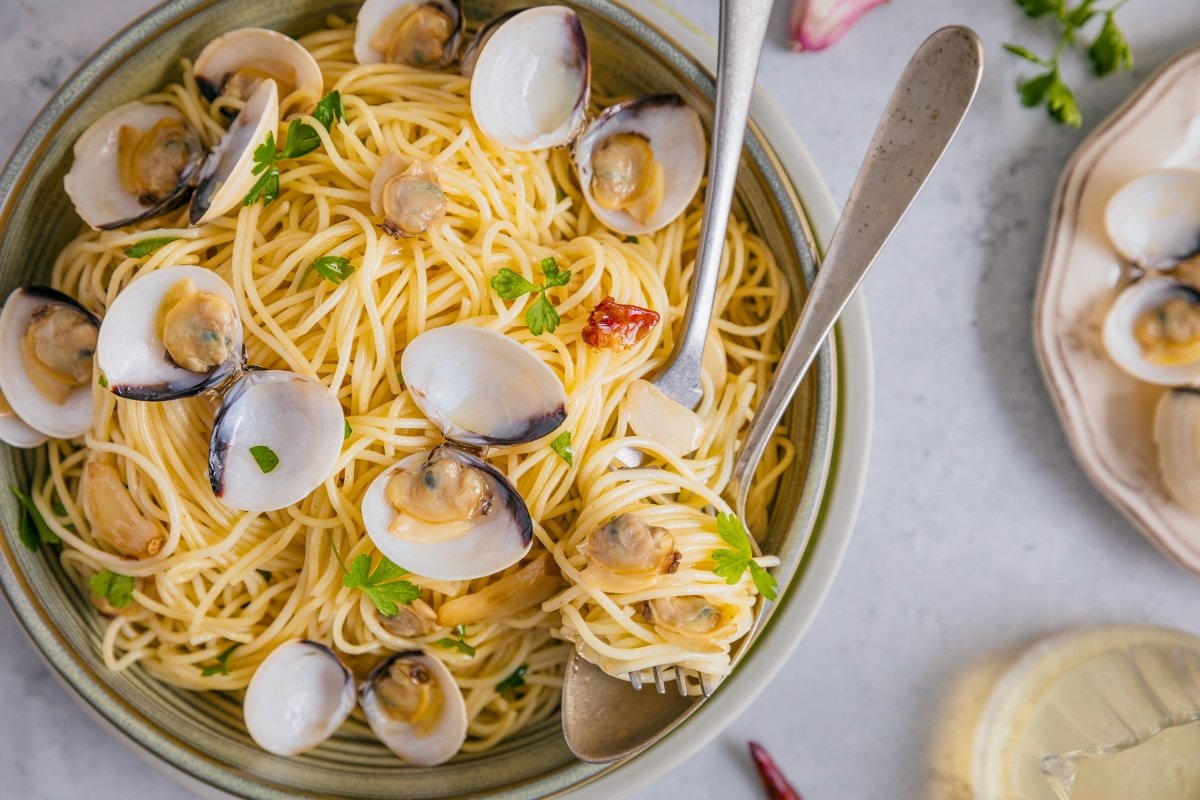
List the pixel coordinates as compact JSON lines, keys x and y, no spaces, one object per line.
{"x":743,"y":26}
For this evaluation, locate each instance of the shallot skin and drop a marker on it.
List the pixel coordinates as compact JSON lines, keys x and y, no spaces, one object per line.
{"x":817,"y":24}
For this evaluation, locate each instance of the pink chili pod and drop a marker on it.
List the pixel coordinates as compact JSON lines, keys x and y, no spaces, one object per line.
{"x":774,"y":782}
{"x":816,"y":24}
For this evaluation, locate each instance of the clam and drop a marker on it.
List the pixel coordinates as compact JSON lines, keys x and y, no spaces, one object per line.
{"x":447,"y":514}
{"x":415,"y":708}
{"x":276,"y":437}
{"x":1154,"y":220}
{"x":1177,"y":432}
{"x":531,"y":78}
{"x":47,"y":345}
{"x":136,"y":162}
{"x":481,"y":387}
{"x":419,"y":34}
{"x":171,"y":333}
{"x":1152,"y":331}
{"x":236,"y":64}
{"x":411,"y":620}
{"x":627,"y":555}
{"x":408,"y":195}
{"x":299,"y":695}
{"x":228,"y":174}
{"x":640,"y":162}
{"x":14,"y":432}
{"x":466,"y":64}
{"x":691,"y":622}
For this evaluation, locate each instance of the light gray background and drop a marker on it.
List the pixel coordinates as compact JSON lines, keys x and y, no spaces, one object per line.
{"x":978,"y":533}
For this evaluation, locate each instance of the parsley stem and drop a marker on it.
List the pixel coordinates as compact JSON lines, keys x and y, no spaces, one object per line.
{"x":336,"y":554}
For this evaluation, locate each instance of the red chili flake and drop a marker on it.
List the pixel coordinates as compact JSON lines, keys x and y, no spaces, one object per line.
{"x":776,"y":785}
{"x":616,"y":325}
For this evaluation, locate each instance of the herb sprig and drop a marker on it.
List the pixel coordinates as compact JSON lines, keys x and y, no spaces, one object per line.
{"x":301,"y":139}
{"x":222,"y":665}
{"x":731,"y":564}
{"x":334,"y":269}
{"x":513,"y":682}
{"x":1108,"y":53}
{"x":116,"y":589}
{"x":459,"y":642}
{"x":144,"y":247}
{"x":34,"y":532}
{"x":562,"y":446}
{"x":381,"y":585}
{"x":541,"y":315}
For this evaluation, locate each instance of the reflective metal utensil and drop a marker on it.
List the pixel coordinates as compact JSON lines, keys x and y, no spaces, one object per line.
{"x":602,"y":720}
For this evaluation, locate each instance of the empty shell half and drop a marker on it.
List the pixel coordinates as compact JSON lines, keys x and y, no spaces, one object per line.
{"x":299,"y":695}
{"x":1154,"y":220}
{"x":228,"y":174}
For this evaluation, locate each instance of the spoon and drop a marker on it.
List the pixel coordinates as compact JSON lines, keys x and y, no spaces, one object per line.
{"x":602,"y":719}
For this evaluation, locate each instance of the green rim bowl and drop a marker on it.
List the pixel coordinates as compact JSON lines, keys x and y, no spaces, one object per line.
{"x":199,"y":737}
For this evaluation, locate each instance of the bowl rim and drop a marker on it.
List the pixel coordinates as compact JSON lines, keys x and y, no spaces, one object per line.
{"x":837,"y":499}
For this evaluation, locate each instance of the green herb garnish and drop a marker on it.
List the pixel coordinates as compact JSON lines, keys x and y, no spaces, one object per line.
{"x":381,"y":584}
{"x":265,"y":457}
{"x":334,"y":269}
{"x":514,"y":681}
{"x":103,"y":381}
{"x":222,"y":665}
{"x":541,"y":316}
{"x":731,"y":564}
{"x":1108,"y":52}
{"x":458,"y":643}
{"x":631,"y":239}
{"x":145,"y":247}
{"x":116,"y":589}
{"x":348,"y":430}
{"x":329,"y":109}
{"x":301,"y":140}
{"x":34,"y":531}
{"x":562,"y":446}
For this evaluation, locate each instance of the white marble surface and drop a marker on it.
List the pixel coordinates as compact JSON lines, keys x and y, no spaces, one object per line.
{"x":978,"y":532}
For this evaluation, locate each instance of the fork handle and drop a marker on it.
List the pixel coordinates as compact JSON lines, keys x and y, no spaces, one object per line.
{"x":921,"y":118}
{"x":743,"y":27}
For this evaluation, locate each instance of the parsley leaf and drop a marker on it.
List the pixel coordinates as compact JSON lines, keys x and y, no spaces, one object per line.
{"x":346,"y":433}
{"x":562,"y":446}
{"x":554,"y":275}
{"x":334,"y":269}
{"x":34,"y":517}
{"x":380,"y":585}
{"x":1025,"y":53}
{"x":266,"y":188}
{"x":265,"y":457}
{"x":631,"y":239}
{"x":459,"y":643}
{"x":116,"y":589}
{"x":1110,"y":52}
{"x":222,"y":665}
{"x":541,"y":316}
{"x":329,"y":109}
{"x":1033,"y":91}
{"x":103,"y":381}
{"x":1039,"y":8}
{"x":511,"y":285}
{"x":302,"y":139}
{"x":265,"y":155}
{"x":514,"y":681}
{"x":731,"y":564}
{"x":145,"y":247}
{"x":1060,"y":102}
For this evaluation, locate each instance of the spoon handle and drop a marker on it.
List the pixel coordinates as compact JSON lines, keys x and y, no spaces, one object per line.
{"x":921,"y":118}
{"x":743,"y":26}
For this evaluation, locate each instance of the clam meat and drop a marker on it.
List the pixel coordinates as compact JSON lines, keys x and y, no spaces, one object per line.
{"x":418,"y":34}
{"x":415,"y":708}
{"x":299,"y":695}
{"x":1152,"y":331}
{"x":236,"y":64}
{"x":626,"y":554}
{"x":407,"y":195}
{"x":691,"y":622}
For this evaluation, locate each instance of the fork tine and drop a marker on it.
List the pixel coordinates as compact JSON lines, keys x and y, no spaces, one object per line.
{"x":706,"y":687}
{"x":681,"y":681}
{"x":635,"y":680}
{"x":658,"y":680}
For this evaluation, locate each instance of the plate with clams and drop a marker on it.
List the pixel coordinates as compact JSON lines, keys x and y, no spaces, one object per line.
{"x":1117,"y":316}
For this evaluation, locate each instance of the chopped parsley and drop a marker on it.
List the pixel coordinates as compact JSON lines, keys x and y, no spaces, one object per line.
{"x":34,"y":532}
{"x":334,"y":269}
{"x":145,"y":247}
{"x":301,"y":140}
{"x":562,"y":446}
{"x":381,"y":584}
{"x":222,"y":665}
{"x":731,"y":564}
{"x":459,"y":642}
{"x":541,"y":315}
{"x":329,"y":109}
{"x":265,"y":457}
{"x":514,"y":681}
{"x":116,"y":589}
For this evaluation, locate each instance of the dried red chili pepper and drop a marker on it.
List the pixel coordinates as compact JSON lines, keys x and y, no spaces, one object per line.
{"x":776,"y":785}
{"x":616,"y":325}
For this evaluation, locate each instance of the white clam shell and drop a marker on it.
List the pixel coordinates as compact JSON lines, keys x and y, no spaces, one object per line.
{"x":676,"y":136}
{"x":446,"y":737}
{"x":466,"y":64}
{"x":1121,"y":344}
{"x":251,"y":46}
{"x":299,"y":695}
{"x":1177,"y":433}
{"x":481,"y":387}
{"x":531,"y":78}
{"x":375,"y":13}
{"x":94,"y":181}
{"x":1154,"y":220}
{"x":228,"y":174}
{"x":494,"y":541}
{"x":296,"y":417}
{"x":72,"y":418}
{"x":14,"y":432}
{"x":130,"y":352}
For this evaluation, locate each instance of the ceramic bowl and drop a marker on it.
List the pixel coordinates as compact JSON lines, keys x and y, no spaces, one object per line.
{"x":199,"y":736}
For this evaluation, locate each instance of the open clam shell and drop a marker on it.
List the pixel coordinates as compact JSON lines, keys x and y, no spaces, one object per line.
{"x":531,"y":79}
{"x":488,"y":542}
{"x":299,"y":695}
{"x":1133,"y":304}
{"x":675,"y":138}
{"x":238,"y":62}
{"x":228,"y":174}
{"x":1177,"y":433}
{"x":1154,"y":220}
{"x":481,"y":387}
{"x":14,"y":431}
{"x":53,"y":407}
{"x":426,"y":33}
{"x":466,"y":64}
{"x":131,"y":352}
{"x":276,"y":438}
{"x":95,"y":182}
{"x":414,"y":706}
